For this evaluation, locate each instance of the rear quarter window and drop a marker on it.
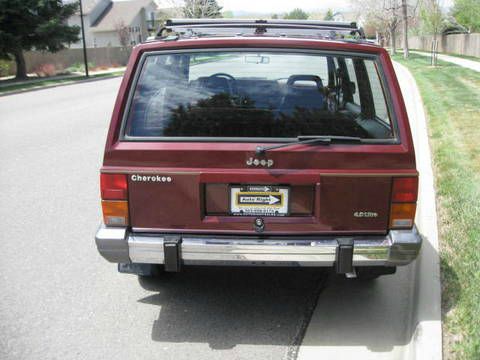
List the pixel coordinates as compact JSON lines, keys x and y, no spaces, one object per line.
{"x":381,"y":110}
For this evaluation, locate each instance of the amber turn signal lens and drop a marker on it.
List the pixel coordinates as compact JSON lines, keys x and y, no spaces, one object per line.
{"x":402,"y":216}
{"x":115,"y":213}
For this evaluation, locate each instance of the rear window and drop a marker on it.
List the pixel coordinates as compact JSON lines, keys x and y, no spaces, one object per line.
{"x":257,"y":94}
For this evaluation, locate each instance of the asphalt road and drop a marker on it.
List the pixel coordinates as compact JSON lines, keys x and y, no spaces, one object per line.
{"x":60,"y":300}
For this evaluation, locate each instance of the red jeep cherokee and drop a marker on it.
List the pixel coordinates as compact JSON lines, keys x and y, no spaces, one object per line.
{"x":281,"y":143}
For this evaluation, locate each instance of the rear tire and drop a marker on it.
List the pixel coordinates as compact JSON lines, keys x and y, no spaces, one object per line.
{"x":155,"y":271}
{"x":154,"y":280}
{"x":369,"y":273}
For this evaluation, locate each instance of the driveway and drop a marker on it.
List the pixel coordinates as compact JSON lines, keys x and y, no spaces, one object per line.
{"x":60,"y":299}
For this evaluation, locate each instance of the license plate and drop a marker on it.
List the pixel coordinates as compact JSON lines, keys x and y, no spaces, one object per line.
{"x":259,"y":200}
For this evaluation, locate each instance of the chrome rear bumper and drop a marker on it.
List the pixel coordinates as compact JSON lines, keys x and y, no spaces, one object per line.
{"x":398,"y":247}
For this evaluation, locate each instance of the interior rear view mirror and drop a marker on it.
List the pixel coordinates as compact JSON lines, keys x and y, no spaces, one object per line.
{"x":257,"y":59}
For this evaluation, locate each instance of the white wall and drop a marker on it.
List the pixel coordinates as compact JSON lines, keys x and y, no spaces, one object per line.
{"x":106,"y":38}
{"x":110,"y":38}
{"x":75,"y":20}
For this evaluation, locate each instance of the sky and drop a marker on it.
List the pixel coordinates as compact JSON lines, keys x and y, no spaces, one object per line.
{"x":280,"y":6}
{"x":270,"y":6}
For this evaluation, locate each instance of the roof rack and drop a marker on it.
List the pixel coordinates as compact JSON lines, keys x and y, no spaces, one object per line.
{"x":188,"y":28}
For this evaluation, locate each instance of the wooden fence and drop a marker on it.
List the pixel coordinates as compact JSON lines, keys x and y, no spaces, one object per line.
{"x":59,"y":61}
{"x":460,"y":44}
{"x":97,"y":57}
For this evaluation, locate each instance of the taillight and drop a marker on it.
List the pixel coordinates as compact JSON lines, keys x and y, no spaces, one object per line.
{"x":405,"y":189}
{"x":403,"y":202}
{"x":114,"y":191}
{"x":113,"y":186}
{"x":115,"y":213}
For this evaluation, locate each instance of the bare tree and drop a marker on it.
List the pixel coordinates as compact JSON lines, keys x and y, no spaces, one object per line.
{"x":432,"y":17}
{"x":385,"y":16}
{"x":202,"y":9}
{"x":123,"y":33}
{"x":382,"y":15}
{"x":391,"y":8}
{"x":405,"y":29}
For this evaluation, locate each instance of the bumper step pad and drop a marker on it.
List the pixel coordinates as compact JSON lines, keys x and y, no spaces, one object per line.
{"x":171,"y":249}
{"x":344,"y":256}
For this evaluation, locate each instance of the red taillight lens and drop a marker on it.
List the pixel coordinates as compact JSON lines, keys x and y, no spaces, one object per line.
{"x":403,"y":204}
{"x":405,"y":189}
{"x":113,"y":186}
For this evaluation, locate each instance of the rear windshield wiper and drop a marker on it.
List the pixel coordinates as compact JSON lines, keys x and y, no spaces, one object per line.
{"x":311,"y":140}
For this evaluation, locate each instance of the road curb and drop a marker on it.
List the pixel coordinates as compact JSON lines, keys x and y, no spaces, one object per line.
{"x":395,"y":317}
{"x":73,"y":82}
{"x":425,"y":322}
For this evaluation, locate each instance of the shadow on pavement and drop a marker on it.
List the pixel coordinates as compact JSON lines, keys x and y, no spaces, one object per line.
{"x":225,"y":307}
{"x":228,"y":306}
{"x":372,"y":316}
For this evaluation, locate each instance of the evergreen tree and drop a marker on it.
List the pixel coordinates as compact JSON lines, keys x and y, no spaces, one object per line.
{"x":34,"y":24}
{"x":297,"y":13}
{"x":329,"y":16}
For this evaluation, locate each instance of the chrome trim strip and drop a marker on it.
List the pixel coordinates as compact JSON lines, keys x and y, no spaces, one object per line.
{"x":157,"y":170}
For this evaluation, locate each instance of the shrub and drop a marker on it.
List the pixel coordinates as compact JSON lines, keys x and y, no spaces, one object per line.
{"x":6,"y":68}
{"x":45,"y":70}
{"x":79,"y":67}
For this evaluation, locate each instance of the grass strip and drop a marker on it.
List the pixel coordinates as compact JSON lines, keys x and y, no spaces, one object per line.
{"x":451,"y":95}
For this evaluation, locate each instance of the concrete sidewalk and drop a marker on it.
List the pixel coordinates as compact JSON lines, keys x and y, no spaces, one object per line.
{"x":39,"y":84}
{"x":395,"y":317}
{"x":470,"y":64}
{"x":10,"y":80}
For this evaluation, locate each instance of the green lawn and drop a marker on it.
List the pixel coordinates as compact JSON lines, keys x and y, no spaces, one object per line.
{"x":37,"y":83}
{"x":451,"y":96}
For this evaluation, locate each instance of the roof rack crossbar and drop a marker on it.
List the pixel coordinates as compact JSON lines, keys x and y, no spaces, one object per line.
{"x":259,"y":22}
{"x":195,"y":26}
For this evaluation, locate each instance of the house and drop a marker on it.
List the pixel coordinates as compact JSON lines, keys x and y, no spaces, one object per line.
{"x":115,"y":22}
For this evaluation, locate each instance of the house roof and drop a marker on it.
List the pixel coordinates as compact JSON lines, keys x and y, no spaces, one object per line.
{"x":87,"y":5}
{"x":118,"y":12}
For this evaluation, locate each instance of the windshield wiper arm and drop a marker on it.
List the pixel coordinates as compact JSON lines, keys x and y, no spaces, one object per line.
{"x":310,"y":140}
